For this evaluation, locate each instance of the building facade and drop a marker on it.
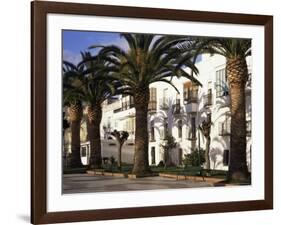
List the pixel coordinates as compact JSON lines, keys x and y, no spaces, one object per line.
{"x":177,"y":114}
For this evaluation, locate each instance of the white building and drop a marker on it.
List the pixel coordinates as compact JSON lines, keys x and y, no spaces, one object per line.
{"x":179,"y":115}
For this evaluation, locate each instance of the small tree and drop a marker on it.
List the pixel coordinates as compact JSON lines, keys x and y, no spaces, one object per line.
{"x":167,"y":146}
{"x":205,"y":128}
{"x":121,"y":137}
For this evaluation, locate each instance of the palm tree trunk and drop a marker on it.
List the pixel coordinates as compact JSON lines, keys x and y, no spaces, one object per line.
{"x":93,"y":123}
{"x":141,"y":165}
{"x":75,"y":114}
{"x":207,"y":152}
{"x":75,"y":160}
{"x":237,"y":74}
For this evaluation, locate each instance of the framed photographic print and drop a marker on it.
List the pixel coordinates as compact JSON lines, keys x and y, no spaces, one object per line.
{"x":145,"y":112}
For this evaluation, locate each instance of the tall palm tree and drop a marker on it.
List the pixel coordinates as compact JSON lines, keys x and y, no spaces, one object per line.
{"x":150,"y":59}
{"x":98,"y":86}
{"x":235,"y":51}
{"x":73,"y":100}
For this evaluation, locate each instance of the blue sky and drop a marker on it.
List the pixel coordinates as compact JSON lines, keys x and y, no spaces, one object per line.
{"x":76,"y":41}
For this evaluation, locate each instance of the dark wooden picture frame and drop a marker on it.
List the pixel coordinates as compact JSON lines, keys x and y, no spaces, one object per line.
{"x":40,"y":9}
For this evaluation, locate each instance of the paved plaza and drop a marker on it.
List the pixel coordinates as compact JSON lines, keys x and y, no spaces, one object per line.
{"x":85,"y":183}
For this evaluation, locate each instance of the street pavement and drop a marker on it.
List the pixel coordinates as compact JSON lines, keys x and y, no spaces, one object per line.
{"x":85,"y":183}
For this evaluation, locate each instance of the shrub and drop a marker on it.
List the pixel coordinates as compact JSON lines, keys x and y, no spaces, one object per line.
{"x":112,"y":160}
{"x":161,"y":164}
{"x":192,"y":159}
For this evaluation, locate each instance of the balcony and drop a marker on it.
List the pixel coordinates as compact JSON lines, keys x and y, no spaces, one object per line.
{"x":112,"y":106}
{"x":191,"y":101}
{"x":127,"y":105}
{"x":224,"y":129}
{"x":191,"y":107}
{"x":207,"y":100}
{"x":190,"y":97}
{"x":117,"y":110}
{"x":164,"y":105}
{"x":152,"y":107}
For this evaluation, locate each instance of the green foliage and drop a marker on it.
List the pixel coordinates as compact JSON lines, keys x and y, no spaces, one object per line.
{"x":112,"y":160}
{"x":170,"y":143}
{"x":121,"y":136}
{"x":88,"y":81}
{"x":74,"y":170}
{"x":194,"y":158}
{"x":149,"y":59}
{"x":161,"y":164}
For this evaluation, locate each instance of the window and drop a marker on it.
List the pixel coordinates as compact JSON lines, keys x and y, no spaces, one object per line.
{"x":152,"y":153}
{"x":190,"y":92}
{"x":152,"y":94}
{"x":180,"y":128}
{"x":152,"y":134}
{"x":83,"y":151}
{"x":129,"y":125}
{"x":127,"y":102}
{"x":165,"y":128}
{"x":226,"y":157}
{"x":180,"y":156}
{"x":221,"y":83}
{"x":207,"y":99}
{"x":177,"y":106}
{"x":193,"y":127}
{"x":152,"y":99}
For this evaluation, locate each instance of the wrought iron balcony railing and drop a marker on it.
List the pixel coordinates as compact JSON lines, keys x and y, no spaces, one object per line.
{"x":190,"y":97}
{"x":127,"y":105}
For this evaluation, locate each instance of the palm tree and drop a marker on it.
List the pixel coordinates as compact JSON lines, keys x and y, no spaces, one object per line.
{"x":97,"y":87}
{"x":150,"y":59}
{"x":235,"y":51}
{"x":72,"y":99}
{"x":120,"y":137}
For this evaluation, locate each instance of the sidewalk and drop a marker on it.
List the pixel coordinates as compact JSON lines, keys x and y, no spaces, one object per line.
{"x":85,"y":183}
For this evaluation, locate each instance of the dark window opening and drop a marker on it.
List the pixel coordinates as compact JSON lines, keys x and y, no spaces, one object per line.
{"x":193,"y":127}
{"x":226,"y":157}
{"x":152,"y":155}
{"x":180,"y":128}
